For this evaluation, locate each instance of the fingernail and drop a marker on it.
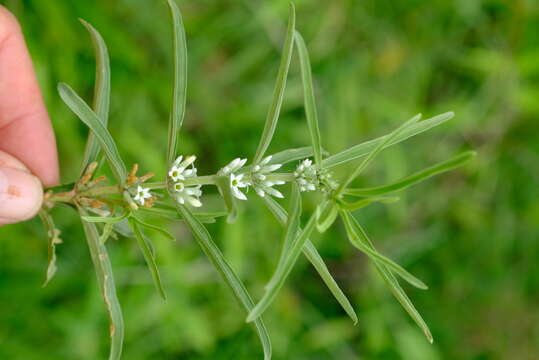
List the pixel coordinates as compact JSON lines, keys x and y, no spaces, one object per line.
{"x":21,"y":195}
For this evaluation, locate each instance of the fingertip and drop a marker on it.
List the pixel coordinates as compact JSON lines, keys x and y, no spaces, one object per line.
{"x":21,"y":195}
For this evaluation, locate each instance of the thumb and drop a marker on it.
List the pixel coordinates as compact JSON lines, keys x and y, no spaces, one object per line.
{"x":21,"y":193}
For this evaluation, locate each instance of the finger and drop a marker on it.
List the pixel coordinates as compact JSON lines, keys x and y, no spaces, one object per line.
{"x":25,"y":129}
{"x":21,"y":193}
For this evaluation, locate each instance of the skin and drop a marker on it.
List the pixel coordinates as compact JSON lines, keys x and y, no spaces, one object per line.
{"x":28,"y":157}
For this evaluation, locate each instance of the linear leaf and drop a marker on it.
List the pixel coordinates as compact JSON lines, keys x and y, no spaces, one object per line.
{"x":327,"y":217}
{"x":83,"y":111}
{"x":101,"y":101}
{"x":279,"y":277}
{"x":358,"y":238}
{"x":155,"y":228}
{"x":374,"y":152}
{"x":54,"y":239}
{"x":365,"y":148}
{"x":107,"y":232}
{"x":180,"y":81}
{"x":278,"y":92}
{"x":291,"y":228}
{"x":356,"y":205}
{"x":105,"y":279}
{"x":310,"y":252}
{"x":149,"y":256}
{"x":204,"y":217}
{"x":419,"y":176}
{"x":309,"y":98}
{"x":395,"y":288}
{"x":105,"y":219}
{"x":213,"y":253}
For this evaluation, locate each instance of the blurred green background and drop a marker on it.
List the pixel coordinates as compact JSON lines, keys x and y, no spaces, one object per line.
{"x":470,"y":234}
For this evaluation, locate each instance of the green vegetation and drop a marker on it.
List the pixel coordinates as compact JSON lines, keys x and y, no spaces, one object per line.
{"x":470,"y":238}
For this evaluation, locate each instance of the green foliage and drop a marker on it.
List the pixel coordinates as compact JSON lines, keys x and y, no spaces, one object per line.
{"x":469,"y":234}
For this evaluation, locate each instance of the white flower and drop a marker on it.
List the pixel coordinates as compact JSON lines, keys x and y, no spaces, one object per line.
{"x":179,"y":171}
{"x":306,"y":176}
{"x":232,"y":167}
{"x":142,"y":195}
{"x":266,"y":187}
{"x":236,"y":182}
{"x":261,"y":185}
{"x":189,"y":194}
{"x":262,"y":168}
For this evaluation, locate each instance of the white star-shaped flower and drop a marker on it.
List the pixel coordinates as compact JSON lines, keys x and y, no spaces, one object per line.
{"x":189,"y":194}
{"x":179,"y":171}
{"x":142,"y":195}
{"x":236,"y":182}
{"x":232,"y":167}
{"x":259,"y":175}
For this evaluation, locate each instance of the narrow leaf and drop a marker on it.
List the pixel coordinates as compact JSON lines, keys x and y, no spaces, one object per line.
{"x":376,"y":151}
{"x":105,"y":219}
{"x":155,"y":228}
{"x":54,"y":239}
{"x":107,"y":232}
{"x":310,"y":252}
{"x":365,"y":148}
{"x":282,"y":273}
{"x":415,"y":178}
{"x":149,"y":256}
{"x":397,"y":290}
{"x":356,"y":205}
{"x":105,"y":279}
{"x":213,"y":253}
{"x":291,"y":228}
{"x":278,"y":92}
{"x":180,"y":81}
{"x":83,"y":111}
{"x":326,"y":216}
{"x":101,"y":102}
{"x":358,"y":238}
{"x":309,"y":98}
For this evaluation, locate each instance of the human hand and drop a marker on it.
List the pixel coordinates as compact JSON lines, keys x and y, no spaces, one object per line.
{"x":28,"y":156}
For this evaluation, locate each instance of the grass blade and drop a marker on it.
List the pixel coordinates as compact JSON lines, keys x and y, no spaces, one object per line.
{"x":278,"y":93}
{"x":310,"y":252}
{"x":101,"y":101}
{"x":309,"y":99}
{"x":356,"y":205}
{"x":396,"y":289}
{"x":376,"y":151}
{"x":105,"y":279}
{"x":149,"y":256}
{"x":211,"y":250}
{"x":363,"y":149}
{"x":54,"y":239}
{"x":282,"y":273}
{"x":83,"y":111}
{"x":180,"y":81}
{"x":415,"y":178}
{"x":358,"y":238}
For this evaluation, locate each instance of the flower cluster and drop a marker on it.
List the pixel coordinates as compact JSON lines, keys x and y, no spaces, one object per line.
{"x":259,"y":175}
{"x":236,"y":181}
{"x":181,"y":170}
{"x":306,"y":176}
